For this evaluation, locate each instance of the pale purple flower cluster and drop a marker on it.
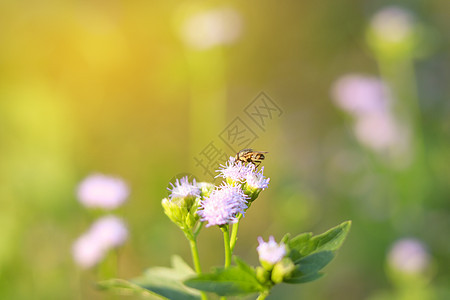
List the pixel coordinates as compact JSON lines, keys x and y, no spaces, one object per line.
{"x":106,"y":233}
{"x":236,"y":171}
{"x":256,"y":179}
{"x":408,"y":255}
{"x":393,"y":24}
{"x":361,"y":95}
{"x":368,"y":100}
{"x":223,"y":205}
{"x":100,"y":191}
{"x":270,"y":251}
{"x":211,"y":28}
{"x":183,"y":188}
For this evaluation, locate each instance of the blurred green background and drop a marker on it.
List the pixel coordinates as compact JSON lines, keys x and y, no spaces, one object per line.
{"x":120,"y":87}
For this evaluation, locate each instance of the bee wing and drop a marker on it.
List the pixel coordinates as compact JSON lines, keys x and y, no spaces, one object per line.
{"x":260,"y":152}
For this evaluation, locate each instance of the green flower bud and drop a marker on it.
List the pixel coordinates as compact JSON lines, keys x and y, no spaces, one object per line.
{"x":182,"y":211}
{"x":252,"y":192}
{"x":395,"y":33}
{"x":282,"y":270}
{"x":191,"y":220}
{"x":266,"y":265}
{"x":205,"y":189}
{"x":262,"y":275}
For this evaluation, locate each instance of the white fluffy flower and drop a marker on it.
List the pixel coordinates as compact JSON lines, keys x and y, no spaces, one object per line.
{"x":223,"y":205}
{"x":256,"y":179}
{"x":182,"y":188}
{"x":270,"y":252}
{"x":235,"y":170}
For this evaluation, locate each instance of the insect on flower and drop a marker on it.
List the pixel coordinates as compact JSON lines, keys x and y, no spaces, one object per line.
{"x":250,"y":156}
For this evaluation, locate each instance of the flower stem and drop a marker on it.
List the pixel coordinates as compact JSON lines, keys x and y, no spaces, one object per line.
{"x":226,"y":241}
{"x":195,"y":256}
{"x":196,"y":259}
{"x":263,"y":295}
{"x":197,"y":230}
{"x":108,"y":267}
{"x":234,"y":233}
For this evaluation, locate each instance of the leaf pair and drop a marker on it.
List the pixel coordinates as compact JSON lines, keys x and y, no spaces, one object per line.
{"x":312,"y":253}
{"x":309,"y":253}
{"x":166,"y":283}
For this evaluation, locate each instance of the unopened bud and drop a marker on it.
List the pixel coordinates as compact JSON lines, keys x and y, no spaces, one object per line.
{"x":282,"y":270}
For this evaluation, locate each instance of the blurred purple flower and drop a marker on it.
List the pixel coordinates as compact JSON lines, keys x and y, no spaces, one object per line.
{"x":270,"y":252}
{"x":109,"y":231}
{"x":223,"y":205}
{"x":361,"y":95}
{"x":211,"y":28}
{"x":87,"y":252}
{"x":393,"y":24}
{"x":183,"y":188}
{"x":378,"y":131}
{"x":408,"y":255}
{"x":100,"y":191}
{"x":106,"y":233}
{"x":368,"y":100}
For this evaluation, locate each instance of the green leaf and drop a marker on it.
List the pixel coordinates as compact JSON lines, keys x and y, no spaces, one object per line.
{"x":304,"y":278}
{"x":167,"y":283}
{"x":181,"y":266}
{"x":313,"y":263}
{"x":232,"y":281}
{"x":309,"y":266}
{"x":300,"y":245}
{"x":244,"y":266}
{"x":285,"y":238}
{"x":123,"y":287}
{"x":331,"y":240}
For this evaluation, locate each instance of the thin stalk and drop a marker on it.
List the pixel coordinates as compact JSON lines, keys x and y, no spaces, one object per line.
{"x":234,"y":233}
{"x":413,"y":182}
{"x":108,"y":267}
{"x":197,"y":230}
{"x":263,"y":295}
{"x":196,"y":258}
{"x":226,"y":241}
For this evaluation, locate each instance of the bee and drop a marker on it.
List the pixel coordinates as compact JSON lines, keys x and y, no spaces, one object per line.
{"x":250,"y":156}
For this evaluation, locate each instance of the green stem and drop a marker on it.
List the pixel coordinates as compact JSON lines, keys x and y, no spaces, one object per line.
{"x":263,"y":295}
{"x":234,"y":233}
{"x":412,"y":183}
{"x":226,"y":241}
{"x":197,"y":230}
{"x":196,"y":258}
{"x":108,"y":267}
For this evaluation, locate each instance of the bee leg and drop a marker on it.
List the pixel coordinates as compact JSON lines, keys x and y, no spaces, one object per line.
{"x":255,"y":163}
